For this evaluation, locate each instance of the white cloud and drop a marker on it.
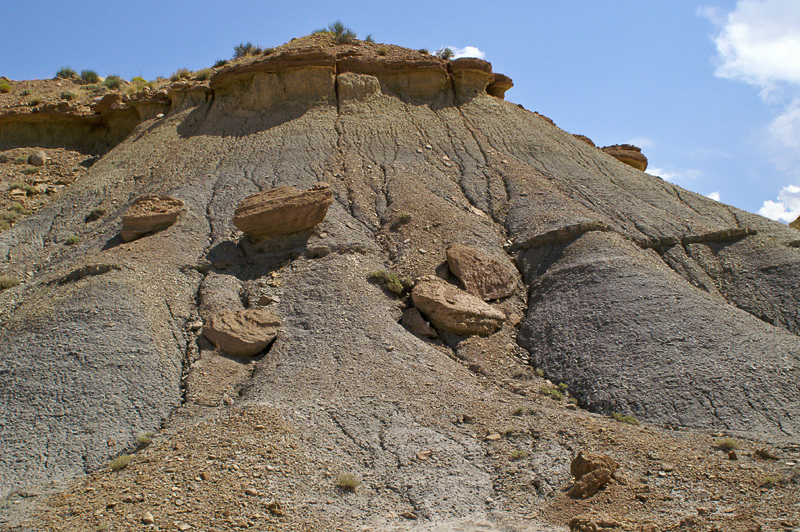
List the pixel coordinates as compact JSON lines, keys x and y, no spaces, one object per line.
{"x":787,"y":208}
{"x":714,"y":195}
{"x":759,"y":42}
{"x":676,"y":174}
{"x":467,"y":51}
{"x":785,"y":128}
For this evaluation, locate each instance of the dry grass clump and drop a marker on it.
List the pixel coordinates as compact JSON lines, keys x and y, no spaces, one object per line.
{"x":391,"y":282}
{"x":120,"y":462}
{"x":8,"y":281}
{"x":347,"y":482}
{"x":630,"y":420}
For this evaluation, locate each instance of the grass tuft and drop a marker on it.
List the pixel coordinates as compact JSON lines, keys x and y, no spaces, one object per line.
{"x":181,"y":73}
{"x":112,"y":82}
{"x":7,"y":281}
{"x":630,"y":420}
{"x":144,"y":439}
{"x":120,"y":462}
{"x":220,"y":63}
{"x":341,"y":33}
{"x":66,"y":72}
{"x":445,"y":53}
{"x":72,"y":240}
{"x":67,"y":95}
{"x":245,"y":49}
{"x":347,"y":482}
{"x":391,"y":282}
{"x":89,"y":76}
{"x":5,"y":88}
{"x":202,"y":75}
{"x":552,"y":392}
{"x":726,"y":444}
{"x":518,"y":454}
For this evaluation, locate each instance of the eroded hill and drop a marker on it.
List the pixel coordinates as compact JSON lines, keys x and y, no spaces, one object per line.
{"x":643,"y":299}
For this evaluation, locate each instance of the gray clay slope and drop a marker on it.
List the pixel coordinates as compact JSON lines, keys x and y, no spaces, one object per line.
{"x":643,"y":297}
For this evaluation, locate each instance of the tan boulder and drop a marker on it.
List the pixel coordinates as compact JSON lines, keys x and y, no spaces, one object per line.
{"x":244,"y":332}
{"x":453,"y":310}
{"x":482,"y":275}
{"x":416,"y":324}
{"x":37,"y":158}
{"x":149,"y":214}
{"x":283,"y":210}
{"x":592,"y":471}
{"x":106,"y":102}
{"x":628,"y":154}
{"x":498,"y":86}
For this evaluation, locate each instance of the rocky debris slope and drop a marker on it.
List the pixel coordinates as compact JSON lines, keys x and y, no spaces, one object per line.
{"x":637,"y":297}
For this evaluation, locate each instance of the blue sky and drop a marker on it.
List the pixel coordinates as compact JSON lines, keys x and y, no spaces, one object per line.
{"x":709,"y":90}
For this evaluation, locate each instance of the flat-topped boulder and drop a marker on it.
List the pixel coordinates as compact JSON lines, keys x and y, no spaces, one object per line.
{"x":242,"y":333}
{"x":498,"y":86}
{"x":149,"y":214}
{"x":283,"y":210}
{"x":628,"y":154}
{"x":482,"y":275}
{"x":453,"y":310}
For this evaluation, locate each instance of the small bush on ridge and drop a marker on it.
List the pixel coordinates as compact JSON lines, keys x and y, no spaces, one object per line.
{"x":445,"y":53}
{"x":89,"y":76}
{"x":245,"y":49}
{"x":65,"y":72}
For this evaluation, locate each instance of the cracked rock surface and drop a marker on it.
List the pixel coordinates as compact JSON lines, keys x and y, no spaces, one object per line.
{"x":641,"y":297}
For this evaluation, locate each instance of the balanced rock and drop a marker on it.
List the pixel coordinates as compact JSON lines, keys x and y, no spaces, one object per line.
{"x":283,"y":210}
{"x":482,"y":275}
{"x":242,"y":333}
{"x":37,"y":158}
{"x":628,"y":154}
{"x":149,"y":214}
{"x":592,"y":471}
{"x":453,"y":310}
{"x":416,"y":324}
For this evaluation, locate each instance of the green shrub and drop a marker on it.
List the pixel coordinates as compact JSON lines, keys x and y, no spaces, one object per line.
{"x":5,"y":88}
{"x":7,"y":219}
{"x":445,"y":53}
{"x":347,"y":482}
{"x":518,"y":454}
{"x":424,"y":51}
{"x":341,"y":33}
{"x":139,"y":80}
{"x":72,"y":240}
{"x":7,"y":281}
{"x":119,"y":463}
{"x":144,"y":439}
{"x":382,"y":51}
{"x":403,"y":217}
{"x":519,"y":411}
{"x":181,"y":73}
{"x":30,"y":170}
{"x":202,"y":75}
{"x":769,"y":481}
{"x":268,"y":51}
{"x":67,"y":95}
{"x":89,"y":76}
{"x":245,"y":49}
{"x":25,"y":92}
{"x":112,"y":82}
{"x":369,"y":38}
{"x":391,"y":282}
{"x":551,"y":392}
{"x":630,"y":420}
{"x":18,"y":208}
{"x":35,"y":101}
{"x":539,"y":372}
{"x":96,"y":214}
{"x":65,"y":72}
{"x":220,"y":63}
{"x":726,"y":444}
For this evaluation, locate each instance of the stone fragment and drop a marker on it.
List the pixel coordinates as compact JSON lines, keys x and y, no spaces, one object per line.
{"x":586,"y":462}
{"x":283,"y":210}
{"x":242,"y":333}
{"x":451,"y":309}
{"x":416,"y":324}
{"x":105,"y":103}
{"x":37,"y":158}
{"x":628,"y":154}
{"x":482,"y":275}
{"x":148,"y":519}
{"x":498,"y":86}
{"x":592,"y":471}
{"x":149,"y":214}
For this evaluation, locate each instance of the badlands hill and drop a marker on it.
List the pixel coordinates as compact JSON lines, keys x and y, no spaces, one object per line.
{"x":484,"y":292}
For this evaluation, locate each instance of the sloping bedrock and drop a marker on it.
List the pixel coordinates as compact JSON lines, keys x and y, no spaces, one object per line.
{"x":85,"y":367}
{"x":629,"y":335}
{"x":757,"y":275}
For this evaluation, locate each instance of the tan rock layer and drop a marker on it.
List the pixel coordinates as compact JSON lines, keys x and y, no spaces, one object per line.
{"x":149,"y":214}
{"x":628,"y":154}
{"x":282,"y":210}
{"x":451,"y":309}
{"x":243,"y":333}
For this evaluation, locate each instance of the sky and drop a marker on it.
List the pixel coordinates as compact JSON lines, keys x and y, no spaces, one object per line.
{"x":710,"y":90}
